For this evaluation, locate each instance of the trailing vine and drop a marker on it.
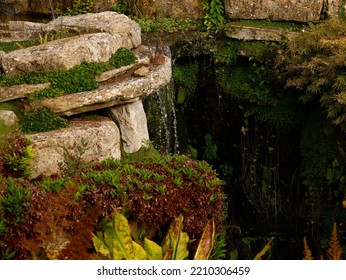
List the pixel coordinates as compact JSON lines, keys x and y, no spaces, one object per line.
{"x":214,"y":18}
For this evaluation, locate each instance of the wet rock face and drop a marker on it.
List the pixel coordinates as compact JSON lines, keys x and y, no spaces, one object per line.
{"x":286,"y":10}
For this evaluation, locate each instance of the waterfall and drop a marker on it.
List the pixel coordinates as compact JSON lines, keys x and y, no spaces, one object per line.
{"x":162,"y":120}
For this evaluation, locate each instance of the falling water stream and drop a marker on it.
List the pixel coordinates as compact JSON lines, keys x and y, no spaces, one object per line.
{"x":162,"y":120}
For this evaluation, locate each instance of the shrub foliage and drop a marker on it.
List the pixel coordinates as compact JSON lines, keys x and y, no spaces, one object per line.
{"x":150,"y":193}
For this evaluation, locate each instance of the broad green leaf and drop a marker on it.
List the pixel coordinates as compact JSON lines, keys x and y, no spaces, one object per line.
{"x":206,"y":243}
{"x":153,"y":250}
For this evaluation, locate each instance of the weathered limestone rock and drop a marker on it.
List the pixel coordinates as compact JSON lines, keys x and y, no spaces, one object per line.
{"x":102,"y":137}
{"x":117,"y":71}
{"x":14,"y":7}
{"x":110,"y":22}
{"x":43,"y":7}
{"x":106,"y":32}
{"x":256,"y":33}
{"x":175,"y":8}
{"x":19,"y":91}
{"x":8,"y":118}
{"x":2,"y":53}
{"x":111,"y":94}
{"x":106,"y":22}
{"x":20,"y":30}
{"x":132,"y":123}
{"x":271,"y":9}
{"x":104,"y":5}
{"x":142,"y":72}
{"x":61,"y":54}
{"x":333,"y":7}
{"x":285,"y":10}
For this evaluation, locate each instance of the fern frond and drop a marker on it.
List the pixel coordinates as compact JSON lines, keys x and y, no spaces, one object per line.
{"x":340,"y":83}
{"x":341,"y":97}
{"x":334,"y":251}
{"x":307,"y":251}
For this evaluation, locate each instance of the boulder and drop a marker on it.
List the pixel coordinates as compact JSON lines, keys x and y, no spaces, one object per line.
{"x":333,"y":7}
{"x":102,"y":35}
{"x":286,"y":10}
{"x":242,"y":32}
{"x":20,"y":30}
{"x":20,"y":25}
{"x":62,"y":54}
{"x":68,"y":26}
{"x":8,"y":118}
{"x":43,"y":7}
{"x":14,"y":7}
{"x":132,"y":123}
{"x":191,"y":9}
{"x":111,"y":94}
{"x":104,"y":5}
{"x":109,"y":22}
{"x":2,"y":53}
{"x":101,"y":138}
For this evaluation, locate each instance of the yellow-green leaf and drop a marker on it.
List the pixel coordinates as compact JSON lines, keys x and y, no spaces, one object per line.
{"x":100,"y":247}
{"x":122,"y":246}
{"x":153,"y":250}
{"x":176,"y":240}
{"x":139,"y":252}
{"x":117,"y":243}
{"x":265,"y":249}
